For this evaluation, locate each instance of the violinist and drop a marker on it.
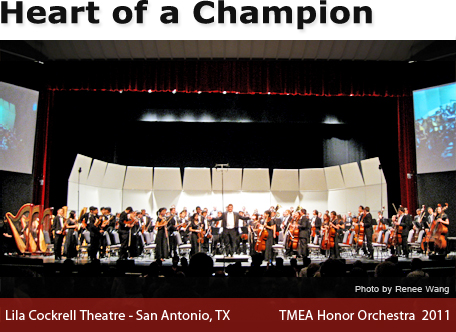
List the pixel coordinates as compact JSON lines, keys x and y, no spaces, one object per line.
{"x":93,"y":226}
{"x":182,"y":226}
{"x":365,"y":219}
{"x":304,"y":234}
{"x":161,"y":237}
{"x":124,"y":233}
{"x":206,"y":226}
{"x":405,"y":221}
{"x":243,"y":239}
{"x":216,"y":231}
{"x":253,"y":226}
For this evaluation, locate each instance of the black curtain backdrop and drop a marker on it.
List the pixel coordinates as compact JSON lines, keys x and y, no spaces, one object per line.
{"x":290,"y":133}
{"x":439,"y":188}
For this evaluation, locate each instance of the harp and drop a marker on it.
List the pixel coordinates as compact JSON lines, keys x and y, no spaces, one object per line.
{"x":45,"y":224}
{"x":14,"y":222}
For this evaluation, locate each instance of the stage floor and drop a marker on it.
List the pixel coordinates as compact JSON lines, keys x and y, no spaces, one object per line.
{"x":220,"y":261}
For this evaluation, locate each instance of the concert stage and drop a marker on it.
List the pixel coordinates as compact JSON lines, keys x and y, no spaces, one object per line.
{"x":445,"y":266}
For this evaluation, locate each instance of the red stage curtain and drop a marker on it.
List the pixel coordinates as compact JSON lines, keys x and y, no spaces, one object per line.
{"x":276,"y":77}
{"x":407,"y":153}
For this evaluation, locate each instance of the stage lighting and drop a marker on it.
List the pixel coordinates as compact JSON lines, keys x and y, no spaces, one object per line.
{"x":224,"y":92}
{"x":199,"y":92}
{"x":174,"y":91}
{"x":150,"y":91}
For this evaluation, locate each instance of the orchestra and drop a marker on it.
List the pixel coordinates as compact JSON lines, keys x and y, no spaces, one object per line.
{"x":228,"y":232}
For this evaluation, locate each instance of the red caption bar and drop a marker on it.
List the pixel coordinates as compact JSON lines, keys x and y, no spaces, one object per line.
{"x":226,"y":314}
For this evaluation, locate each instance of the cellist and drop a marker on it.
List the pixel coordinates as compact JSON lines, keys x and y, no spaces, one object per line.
{"x":270,"y":226}
{"x":290,"y":227}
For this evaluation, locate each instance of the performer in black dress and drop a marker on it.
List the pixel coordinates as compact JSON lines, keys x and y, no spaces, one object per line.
{"x":270,"y":225}
{"x":71,"y":240}
{"x":124,"y":232}
{"x":161,"y":238}
{"x":194,"y":228}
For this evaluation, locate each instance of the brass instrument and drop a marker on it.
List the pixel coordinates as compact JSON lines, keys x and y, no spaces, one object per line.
{"x":276,"y":210}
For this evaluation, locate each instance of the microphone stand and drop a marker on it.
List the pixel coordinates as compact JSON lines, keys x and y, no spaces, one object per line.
{"x":223,"y":169}
{"x":79,"y":180}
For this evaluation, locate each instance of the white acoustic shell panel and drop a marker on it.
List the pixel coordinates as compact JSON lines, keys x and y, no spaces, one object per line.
{"x":138,"y":178}
{"x":372,"y":174}
{"x":96,"y":174}
{"x":352,"y":175}
{"x":312,"y":200}
{"x":334,"y":179}
{"x":84,"y":163}
{"x":137,"y":199}
{"x":312,"y":179}
{"x":197,"y":179}
{"x":232,"y":179}
{"x":256,"y":180}
{"x":168,"y":179}
{"x":114,"y":176}
{"x":110,"y":198}
{"x":285,"y":180}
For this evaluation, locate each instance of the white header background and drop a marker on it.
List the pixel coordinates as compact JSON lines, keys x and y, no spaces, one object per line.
{"x":392,"y":20}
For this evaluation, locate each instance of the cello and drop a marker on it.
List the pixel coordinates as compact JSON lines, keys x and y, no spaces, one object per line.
{"x":328,"y":241}
{"x":293,"y":234}
{"x":380,"y":227}
{"x":260,"y":245}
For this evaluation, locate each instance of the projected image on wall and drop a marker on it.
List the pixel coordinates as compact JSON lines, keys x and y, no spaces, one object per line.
{"x":18,"y":110}
{"x":435,"y":132}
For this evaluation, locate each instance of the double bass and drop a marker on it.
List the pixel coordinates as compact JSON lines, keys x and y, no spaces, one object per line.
{"x":438,"y":230}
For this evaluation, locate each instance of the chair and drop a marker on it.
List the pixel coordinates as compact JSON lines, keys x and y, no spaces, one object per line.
{"x":381,"y":246}
{"x":348,"y":235}
{"x":84,"y":247}
{"x":314,"y":248}
{"x":278,"y":249}
{"x":50,"y":246}
{"x":149,"y":246}
{"x":417,"y":244}
{"x":115,"y":247}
